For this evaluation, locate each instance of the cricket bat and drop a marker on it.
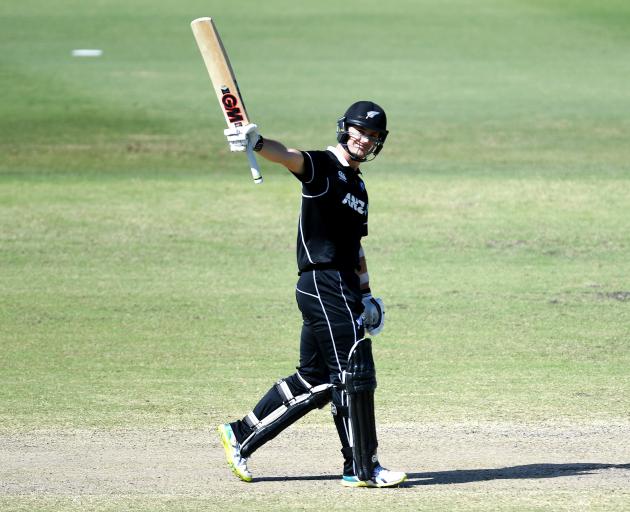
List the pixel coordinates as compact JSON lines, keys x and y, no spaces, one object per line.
{"x":223,"y":80}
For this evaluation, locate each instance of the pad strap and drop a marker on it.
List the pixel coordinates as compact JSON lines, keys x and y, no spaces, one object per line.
{"x":339,"y":410}
{"x":311,"y":399}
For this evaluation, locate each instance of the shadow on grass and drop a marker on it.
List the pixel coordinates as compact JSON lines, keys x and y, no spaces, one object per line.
{"x":533,"y":471}
{"x":462,"y":476}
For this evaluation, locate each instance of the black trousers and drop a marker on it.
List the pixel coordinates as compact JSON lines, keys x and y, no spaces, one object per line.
{"x":330,"y":302}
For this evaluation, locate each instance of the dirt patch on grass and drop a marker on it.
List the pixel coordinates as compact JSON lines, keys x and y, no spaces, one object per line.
{"x":442,"y":460}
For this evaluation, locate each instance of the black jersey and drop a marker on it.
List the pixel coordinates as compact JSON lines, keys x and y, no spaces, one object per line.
{"x":334,"y":213}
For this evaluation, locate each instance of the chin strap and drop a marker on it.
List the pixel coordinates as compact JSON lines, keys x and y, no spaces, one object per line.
{"x":356,"y":158}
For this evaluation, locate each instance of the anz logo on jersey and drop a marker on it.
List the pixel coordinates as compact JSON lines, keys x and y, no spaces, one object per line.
{"x":356,"y":204}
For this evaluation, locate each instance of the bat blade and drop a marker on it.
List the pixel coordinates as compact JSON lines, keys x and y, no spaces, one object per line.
{"x":223,"y":80}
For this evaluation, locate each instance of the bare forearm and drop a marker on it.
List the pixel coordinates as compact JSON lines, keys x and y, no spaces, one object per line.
{"x":364,"y":277}
{"x":277,"y":152}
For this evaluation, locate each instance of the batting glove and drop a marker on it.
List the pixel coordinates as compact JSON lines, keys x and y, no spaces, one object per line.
{"x":373,"y":314}
{"x":242,"y":138}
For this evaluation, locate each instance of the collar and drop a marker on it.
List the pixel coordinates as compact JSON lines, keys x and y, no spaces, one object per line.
{"x":340,"y":157}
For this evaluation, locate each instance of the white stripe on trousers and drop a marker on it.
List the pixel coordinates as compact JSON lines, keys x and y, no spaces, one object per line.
{"x":346,"y":422}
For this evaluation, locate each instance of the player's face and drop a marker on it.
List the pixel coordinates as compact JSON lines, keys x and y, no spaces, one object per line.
{"x":361,"y":140}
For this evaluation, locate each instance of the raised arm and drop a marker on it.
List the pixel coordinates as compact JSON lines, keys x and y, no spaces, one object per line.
{"x":277,"y":152}
{"x":246,"y":138}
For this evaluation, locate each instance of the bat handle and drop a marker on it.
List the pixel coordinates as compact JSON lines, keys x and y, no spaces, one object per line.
{"x":253,"y":164}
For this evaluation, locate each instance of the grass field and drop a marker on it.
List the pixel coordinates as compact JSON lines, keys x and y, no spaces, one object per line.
{"x":146,"y":285}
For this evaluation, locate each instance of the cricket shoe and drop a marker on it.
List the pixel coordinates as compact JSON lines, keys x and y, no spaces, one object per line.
{"x":237,"y":464}
{"x":381,"y":477}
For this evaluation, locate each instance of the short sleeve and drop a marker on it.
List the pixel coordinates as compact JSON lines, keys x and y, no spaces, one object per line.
{"x":315,"y":177}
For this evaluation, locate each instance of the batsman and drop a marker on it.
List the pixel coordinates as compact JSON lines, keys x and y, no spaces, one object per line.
{"x":334,"y":297}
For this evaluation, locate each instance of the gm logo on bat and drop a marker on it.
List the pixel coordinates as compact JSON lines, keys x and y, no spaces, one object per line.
{"x":230,"y":105}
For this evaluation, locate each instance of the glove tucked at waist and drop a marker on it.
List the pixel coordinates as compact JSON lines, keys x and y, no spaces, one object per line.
{"x":373,"y":314}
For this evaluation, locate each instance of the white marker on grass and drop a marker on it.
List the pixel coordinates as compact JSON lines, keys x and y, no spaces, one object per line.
{"x":87,"y":52}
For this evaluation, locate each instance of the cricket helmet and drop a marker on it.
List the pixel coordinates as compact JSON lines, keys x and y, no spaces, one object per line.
{"x":365,"y":114}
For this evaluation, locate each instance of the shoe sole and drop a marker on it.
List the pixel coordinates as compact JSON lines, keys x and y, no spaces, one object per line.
{"x":392,"y":484}
{"x":371,"y":484}
{"x":353,"y":484}
{"x":227,"y":447}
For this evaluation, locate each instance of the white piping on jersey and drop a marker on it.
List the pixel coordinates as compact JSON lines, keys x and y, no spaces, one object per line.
{"x":312,"y":168}
{"x":319,"y":195}
{"x":308,"y":254}
{"x":306,"y":293}
{"x":339,"y":156}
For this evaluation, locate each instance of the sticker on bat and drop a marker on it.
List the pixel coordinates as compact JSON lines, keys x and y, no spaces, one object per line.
{"x":230,"y":105}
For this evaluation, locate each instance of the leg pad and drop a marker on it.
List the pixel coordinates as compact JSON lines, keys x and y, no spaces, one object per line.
{"x":284,"y":404}
{"x":360,"y":383}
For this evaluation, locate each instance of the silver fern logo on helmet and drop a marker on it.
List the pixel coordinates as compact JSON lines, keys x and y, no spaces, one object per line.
{"x":371,"y":114}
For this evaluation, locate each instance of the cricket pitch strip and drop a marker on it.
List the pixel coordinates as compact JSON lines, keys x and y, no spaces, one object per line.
{"x":580,"y":465}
